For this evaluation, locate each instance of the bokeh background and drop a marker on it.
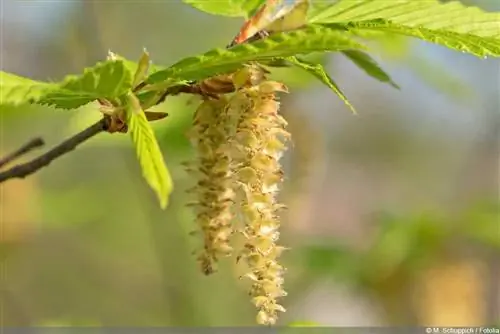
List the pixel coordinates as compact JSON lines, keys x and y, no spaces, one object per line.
{"x":393,"y":214}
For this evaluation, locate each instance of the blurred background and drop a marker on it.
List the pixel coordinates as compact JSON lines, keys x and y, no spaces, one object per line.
{"x":393,"y":213}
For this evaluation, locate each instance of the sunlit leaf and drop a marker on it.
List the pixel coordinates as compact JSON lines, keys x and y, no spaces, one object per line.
{"x":106,"y":80}
{"x":217,"y":61}
{"x":466,"y":43}
{"x":148,"y":151}
{"x":466,"y":29}
{"x":16,"y":90}
{"x":429,"y":14}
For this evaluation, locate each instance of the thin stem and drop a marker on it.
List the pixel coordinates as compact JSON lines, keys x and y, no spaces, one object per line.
{"x":30,"y":167}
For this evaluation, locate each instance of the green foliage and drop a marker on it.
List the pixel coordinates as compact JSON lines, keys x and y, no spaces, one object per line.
{"x":106,"y":80}
{"x":231,"y":8}
{"x":464,"y":42}
{"x":429,"y":14}
{"x":217,"y":61}
{"x":319,"y":72}
{"x":453,"y":25}
{"x":16,"y":90}
{"x":148,"y":151}
{"x":369,"y":66}
{"x":142,"y":70}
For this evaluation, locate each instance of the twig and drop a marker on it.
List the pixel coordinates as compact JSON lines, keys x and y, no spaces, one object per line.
{"x":29,"y":146}
{"x":30,"y":167}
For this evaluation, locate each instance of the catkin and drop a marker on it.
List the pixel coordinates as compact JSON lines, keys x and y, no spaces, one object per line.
{"x":239,"y":141}
{"x":256,"y":148}
{"x":213,"y":190}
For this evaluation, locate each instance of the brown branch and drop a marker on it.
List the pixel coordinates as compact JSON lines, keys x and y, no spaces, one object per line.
{"x":30,"y":167}
{"x":29,"y":146}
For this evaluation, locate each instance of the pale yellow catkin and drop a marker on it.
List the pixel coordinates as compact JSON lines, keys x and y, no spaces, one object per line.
{"x":255,"y":150}
{"x":213,"y":190}
{"x":239,"y":141}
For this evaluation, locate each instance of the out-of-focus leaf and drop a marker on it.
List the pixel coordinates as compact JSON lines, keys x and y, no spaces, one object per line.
{"x":336,"y":260}
{"x":231,"y":8}
{"x":304,"y":324}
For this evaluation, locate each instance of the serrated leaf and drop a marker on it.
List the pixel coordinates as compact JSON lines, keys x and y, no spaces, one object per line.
{"x":16,"y":90}
{"x":231,"y":8}
{"x":429,"y":14}
{"x":452,"y":24}
{"x":365,"y":62}
{"x":467,"y":43}
{"x":148,"y":151}
{"x":319,"y":72}
{"x":106,"y":80}
{"x":133,"y":66}
{"x":218,"y":61}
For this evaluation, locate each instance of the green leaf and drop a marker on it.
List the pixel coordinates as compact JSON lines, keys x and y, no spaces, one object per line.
{"x":148,"y":151}
{"x":16,"y":90}
{"x":467,"y":29}
{"x":218,"y":61}
{"x":319,"y":72}
{"x":106,"y":80}
{"x":231,"y":8}
{"x":365,"y":62}
{"x":467,"y":43}
{"x":429,"y":14}
{"x":142,"y":70}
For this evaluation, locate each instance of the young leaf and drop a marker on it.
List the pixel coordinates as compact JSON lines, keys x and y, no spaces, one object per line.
{"x":218,"y":61}
{"x":467,"y":43}
{"x":369,"y":65}
{"x":106,"y":80}
{"x":142,"y":70}
{"x":16,"y":90}
{"x":319,"y":72}
{"x":148,"y":151}
{"x":429,"y":14}
{"x":467,"y":29}
{"x":231,"y":8}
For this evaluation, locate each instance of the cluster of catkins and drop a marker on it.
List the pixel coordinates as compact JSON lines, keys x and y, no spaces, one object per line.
{"x":239,"y":139}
